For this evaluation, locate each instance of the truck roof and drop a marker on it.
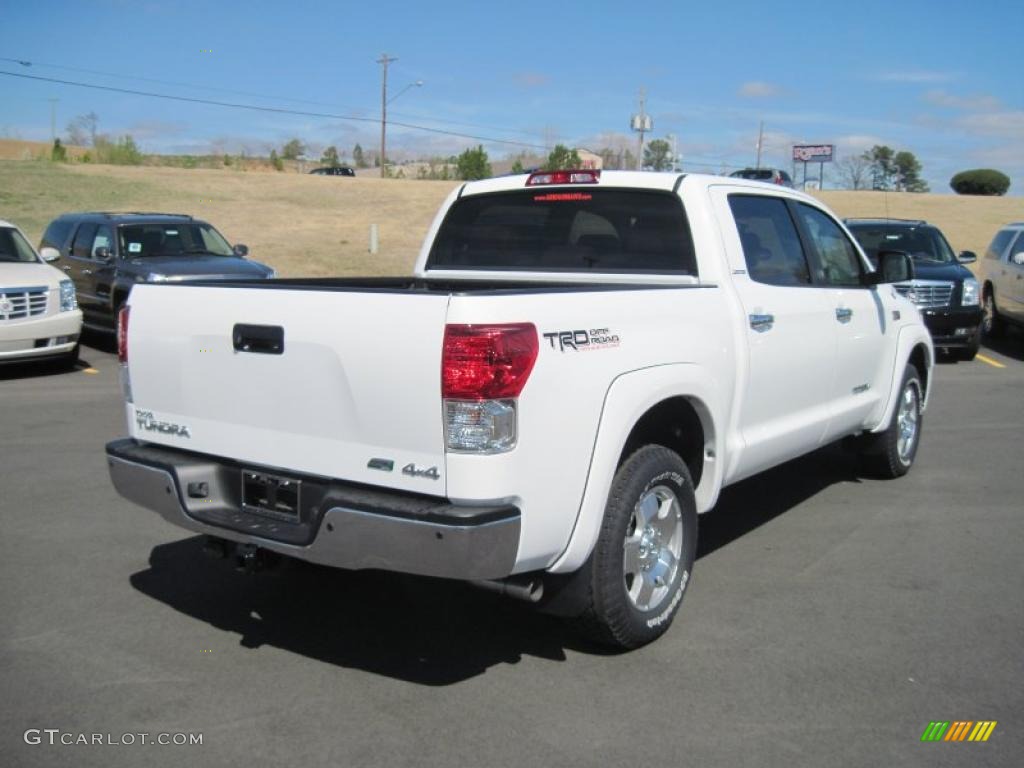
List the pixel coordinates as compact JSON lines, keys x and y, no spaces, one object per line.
{"x":667,"y":181}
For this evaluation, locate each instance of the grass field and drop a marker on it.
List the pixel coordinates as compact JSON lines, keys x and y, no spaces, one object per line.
{"x":315,"y":226}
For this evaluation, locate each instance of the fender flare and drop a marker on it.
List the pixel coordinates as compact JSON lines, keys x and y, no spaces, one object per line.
{"x":909,"y":338}
{"x":628,"y":398}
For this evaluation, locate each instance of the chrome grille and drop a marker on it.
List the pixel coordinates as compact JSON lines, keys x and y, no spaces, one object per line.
{"x":927,"y":294}
{"x":19,"y":303}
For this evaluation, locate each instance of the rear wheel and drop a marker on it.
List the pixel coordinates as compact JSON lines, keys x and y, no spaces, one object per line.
{"x":644,"y":554}
{"x":891,"y":453}
{"x":992,"y":325}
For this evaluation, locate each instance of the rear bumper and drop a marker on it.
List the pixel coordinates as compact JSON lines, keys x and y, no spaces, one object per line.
{"x":953,"y":327}
{"x":341,"y":524}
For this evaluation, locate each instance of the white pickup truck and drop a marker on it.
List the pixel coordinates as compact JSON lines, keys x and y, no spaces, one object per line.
{"x":582,"y":361}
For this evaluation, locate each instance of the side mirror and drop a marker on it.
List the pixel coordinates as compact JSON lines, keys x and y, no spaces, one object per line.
{"x":103,"y":254}
{"x":893,"y":267}
{"x":49,"y":253}
{"x":1018,"y":258}
{"x":241,"y":250}
{"x":967,"y":257}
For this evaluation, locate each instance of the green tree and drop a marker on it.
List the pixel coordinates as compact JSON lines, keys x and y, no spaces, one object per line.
{"x":880,"y":158}
{"x":330,"y":157}
{"x":472,"y":164}
{"x":276,"y":161}
{"x":359,"y":157}
{"x":562,"y":158}
{"x":908,"y":172}
{"x":517,"y":166}
{"x":658,"y":155}
{"x":980,"y":181}
{"x":58,"y":154}
{"x":293,"y":150}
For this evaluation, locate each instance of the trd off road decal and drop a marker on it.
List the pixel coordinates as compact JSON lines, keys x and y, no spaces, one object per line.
{"x":582,"y":340}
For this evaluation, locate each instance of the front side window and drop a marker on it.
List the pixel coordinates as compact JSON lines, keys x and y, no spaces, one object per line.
{"x":1018,"y":247}
{"x":771,"y":245}
{"x":840,"y":263}
{"x":580,"y":229}
{"x":103,"y":238}
{"x":186,"y":238}
{"x":14,"y":247}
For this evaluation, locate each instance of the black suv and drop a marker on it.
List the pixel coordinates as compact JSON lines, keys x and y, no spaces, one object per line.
{"x":105,"y":254}
{"x":334,"y":170}
{"x":943,"y":289}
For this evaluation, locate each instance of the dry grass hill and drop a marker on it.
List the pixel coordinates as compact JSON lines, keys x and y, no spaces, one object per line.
{"x":314,"y":226}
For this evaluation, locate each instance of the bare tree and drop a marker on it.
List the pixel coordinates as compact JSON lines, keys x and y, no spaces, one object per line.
{"x":854,"y":171}
{"x":82,"y":130}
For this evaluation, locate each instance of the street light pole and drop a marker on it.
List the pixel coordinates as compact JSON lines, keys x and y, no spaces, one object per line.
{"x":384,"y":60}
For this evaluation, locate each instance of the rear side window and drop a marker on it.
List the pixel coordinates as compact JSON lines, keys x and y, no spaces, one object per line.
{"x":567,"y":230}
{"x":57,"y":233}
{"x":771,"y":245}
{"x":999,"y":243}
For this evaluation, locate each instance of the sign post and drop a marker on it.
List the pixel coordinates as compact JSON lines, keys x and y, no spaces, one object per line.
{"x":814,"y":153}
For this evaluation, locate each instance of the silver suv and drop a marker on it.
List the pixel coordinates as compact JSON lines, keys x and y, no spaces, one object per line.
{"x":1002,"y":280}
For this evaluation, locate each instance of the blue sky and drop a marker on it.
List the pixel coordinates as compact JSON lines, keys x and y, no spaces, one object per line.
{"x":941,"y":79}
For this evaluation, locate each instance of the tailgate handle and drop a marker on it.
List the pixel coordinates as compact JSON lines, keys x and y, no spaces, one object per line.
{"x":260,"y":339}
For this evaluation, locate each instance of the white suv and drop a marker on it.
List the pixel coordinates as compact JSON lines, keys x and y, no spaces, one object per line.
{"x":39,"y":316}
{"x":1002,"y":280}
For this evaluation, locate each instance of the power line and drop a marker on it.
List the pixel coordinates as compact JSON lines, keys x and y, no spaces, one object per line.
{"x":268,"y":97}
{"x":275,"y":110}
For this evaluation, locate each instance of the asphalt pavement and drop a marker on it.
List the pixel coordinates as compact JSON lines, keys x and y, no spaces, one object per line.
{"x":830,"y":620}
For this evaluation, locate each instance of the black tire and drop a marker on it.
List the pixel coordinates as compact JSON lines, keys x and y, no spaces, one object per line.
{"x":969,"y":352}
{"x":653,"y":475}
{"x":890,"y":454}
{"x":992,"y":325}
{"x":70,"y":360}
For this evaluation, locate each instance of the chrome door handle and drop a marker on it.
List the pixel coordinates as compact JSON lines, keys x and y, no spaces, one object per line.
{"x":762,"y":323}
{"x":86,"y":271}
{"x":844,"y":315}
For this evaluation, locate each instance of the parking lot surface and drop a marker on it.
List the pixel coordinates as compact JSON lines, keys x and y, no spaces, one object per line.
{"x":831,"y":619}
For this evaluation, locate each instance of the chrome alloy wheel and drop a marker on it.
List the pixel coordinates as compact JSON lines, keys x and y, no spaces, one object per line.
{"x":652,"y":548}
{"x":907,"y":423}
{"x":988,"y":317}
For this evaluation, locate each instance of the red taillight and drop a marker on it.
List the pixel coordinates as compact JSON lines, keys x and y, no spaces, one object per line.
{"x":122,"y":335}
{"x":487,"y":362}
{"x":563,"y":177}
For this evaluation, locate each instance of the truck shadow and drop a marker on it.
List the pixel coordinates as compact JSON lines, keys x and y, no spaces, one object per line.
{"x":1011,"y":344}
{"x":426,"y":631}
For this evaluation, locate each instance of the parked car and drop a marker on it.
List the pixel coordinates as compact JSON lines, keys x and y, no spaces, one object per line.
{"x":943,"y":289}
{"x":335,"y":170}
{"x":1002,"y":280}
{"x":581,"y":362}
{"x":39,"y":317}
{"x":767,"y":175}
{"x":105,"y":254}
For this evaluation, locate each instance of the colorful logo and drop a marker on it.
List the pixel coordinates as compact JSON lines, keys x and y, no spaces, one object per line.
{"x":959,"y":730}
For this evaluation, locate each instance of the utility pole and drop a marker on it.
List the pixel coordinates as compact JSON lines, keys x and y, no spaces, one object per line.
{"x":760,"y":142}
{"x":53,"y":119}
{"x":641,"y":123}
{"x":384,"y":60}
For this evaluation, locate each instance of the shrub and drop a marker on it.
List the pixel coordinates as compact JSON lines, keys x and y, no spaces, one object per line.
{"x":980,"y":181}
{"x":58,"y":154}
{"x":276,"y":161}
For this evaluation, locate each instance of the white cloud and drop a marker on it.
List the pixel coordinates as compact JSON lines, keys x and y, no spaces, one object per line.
{"x":916,"y":76}
{"x":756,"y":89}
{"x":977,"y":102}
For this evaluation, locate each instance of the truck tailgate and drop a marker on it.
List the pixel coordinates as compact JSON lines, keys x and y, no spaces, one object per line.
{"x":354,"y":386}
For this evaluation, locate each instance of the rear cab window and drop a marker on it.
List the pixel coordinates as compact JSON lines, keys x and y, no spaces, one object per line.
{"x":560,"y":229}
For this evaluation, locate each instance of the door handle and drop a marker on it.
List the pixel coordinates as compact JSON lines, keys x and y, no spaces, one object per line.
{"x":843,"y":314}
{"x":762,"y":323}
{"x":86,"y":271}
{"x":66,"y":268}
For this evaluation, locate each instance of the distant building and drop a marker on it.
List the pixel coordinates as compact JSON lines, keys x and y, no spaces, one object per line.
{"x":589,"y":160}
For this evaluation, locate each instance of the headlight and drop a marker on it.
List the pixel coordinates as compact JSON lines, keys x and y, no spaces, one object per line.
{"x":155,"y":277}
{"x":67,"y":296}
{"x":970,"y":295}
